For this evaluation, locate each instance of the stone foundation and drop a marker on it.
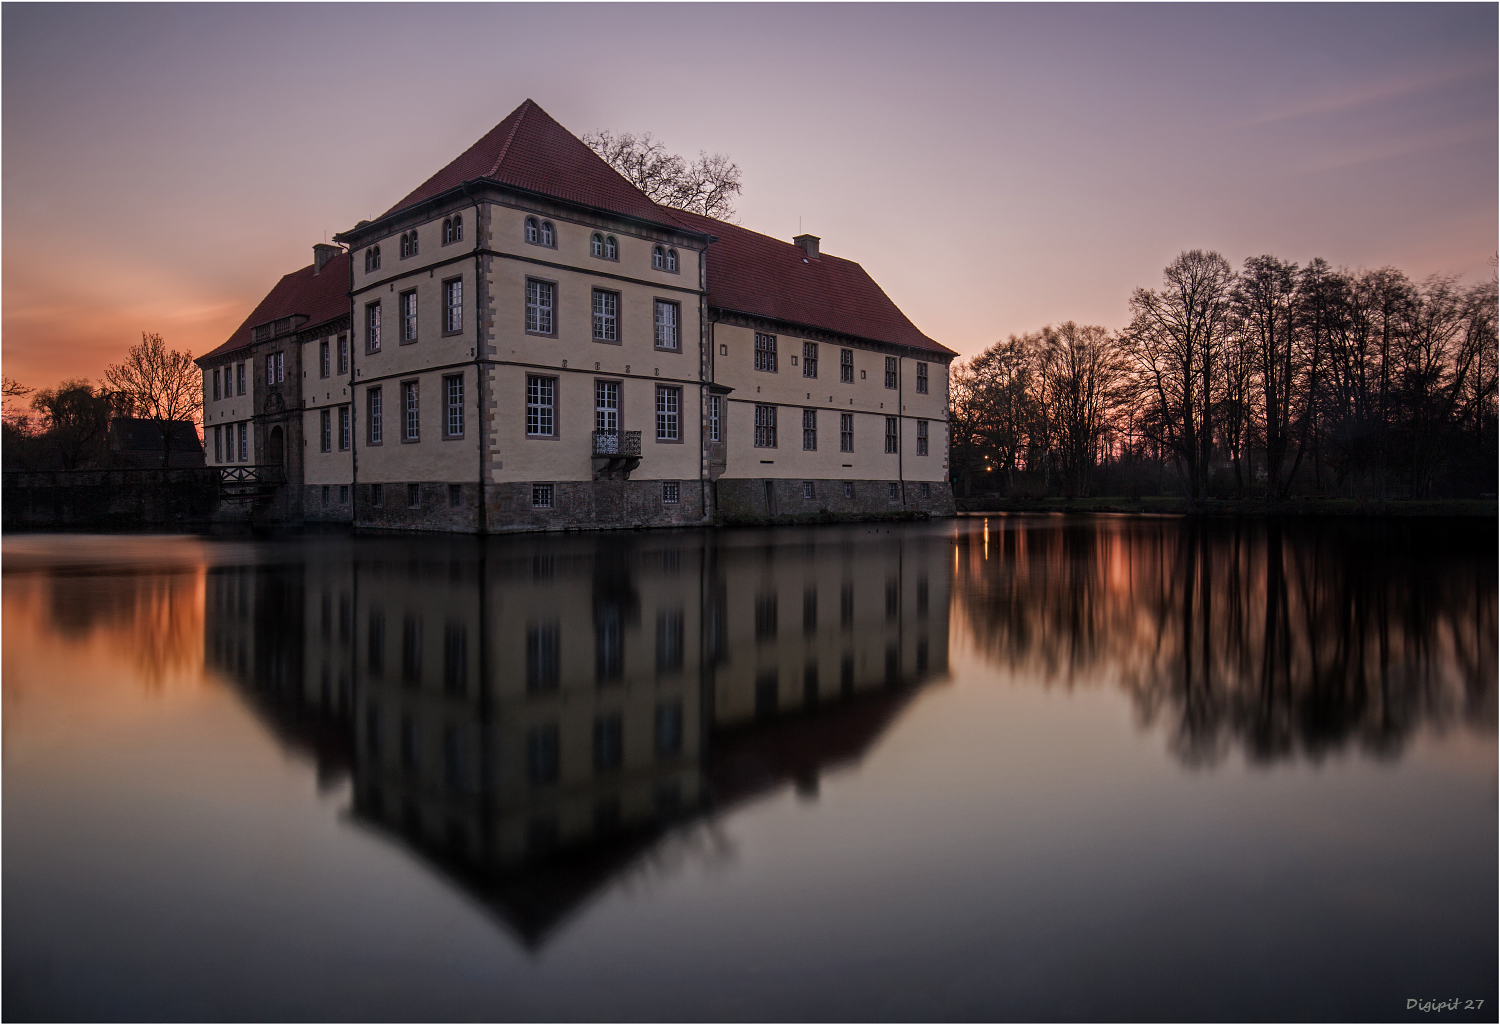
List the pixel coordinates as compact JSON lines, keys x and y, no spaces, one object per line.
{"x":773,"y":500}
{"x":575,"y":505}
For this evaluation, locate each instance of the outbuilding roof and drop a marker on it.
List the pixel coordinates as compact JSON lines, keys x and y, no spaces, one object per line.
{"x":319,"y":297}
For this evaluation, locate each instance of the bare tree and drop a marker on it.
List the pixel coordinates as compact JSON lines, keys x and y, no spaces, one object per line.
{"x":1265,"y":301}
{"x":159,"y":384}
{"x":706,"y":186}
{"x":1175,"y":336}
{"x":1083,"y":370}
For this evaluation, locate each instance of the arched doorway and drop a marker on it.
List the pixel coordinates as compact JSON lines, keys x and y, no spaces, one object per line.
{"x":274,"y":447}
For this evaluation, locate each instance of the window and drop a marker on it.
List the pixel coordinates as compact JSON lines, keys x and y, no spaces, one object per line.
{"x":218,"y":444}
{"x":377,"y":494}
{"x":846,"y":366}
{"x":408,"y":316}
{"x":275,"y":368}
{"x":848,"y":489}
{"x":408,"y":244}
{"x":325,"y":430}
{"x":668,"y":314}
{"x":765,"y":352}
{"x":891,"y":438}
{"x":668,"y":413}
{"x":659,"y":258}
{"x":809,"y":359}
{"x":542,"y":659}
{"x":715,"y":417}
{"x":343,"y":494}
{"x":373,"y":414}
{"x":541,"y":233}
{"x":921,"y":437}
{"x":846,"y":433}
{"x":455,"y":496}
{"x":343,"y":354}
{"x":414,"y":495}
{"x":895,"y":490}
{"x":453,"y":406}
{"x":453,"y":230}
{"x":809,"y":430}
{"x":670,"y":492}
{"x":343,"y":428}
{"x":604,"y":246}
{"x":809,"y":492}
{"x":926,"y":493}
{"x":325,"y":364}
{"x":372,"y":327}
{"x":921,"y":378}
{"x":606,"y":316}
{"x":541,"y":406}
{"x":607,"y":406}
{"x":765,"y":426}
{"x":244,"y":442}
{"x":890,"y":371}
{"x":216,"y":383}
{"x":372,"y":259}
{"x":541,"y":496}
{"x":453,"y":306}
{"x":539,"y":299}
{"x":240,"y":379}
{"x":410,"y":418}
{"x":325,"y":489}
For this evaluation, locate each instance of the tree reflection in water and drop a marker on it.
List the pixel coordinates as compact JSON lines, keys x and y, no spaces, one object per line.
{"x":1280,"y":638}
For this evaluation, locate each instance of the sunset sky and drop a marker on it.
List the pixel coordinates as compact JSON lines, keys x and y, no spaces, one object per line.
{"x":995,"y":167}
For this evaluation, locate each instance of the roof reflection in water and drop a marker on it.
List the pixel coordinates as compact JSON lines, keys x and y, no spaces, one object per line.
{"x":538,"y":716}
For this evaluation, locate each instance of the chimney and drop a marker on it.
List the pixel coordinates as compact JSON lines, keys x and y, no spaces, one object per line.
{"x":323,"y":252}
{"x":809,"y":244}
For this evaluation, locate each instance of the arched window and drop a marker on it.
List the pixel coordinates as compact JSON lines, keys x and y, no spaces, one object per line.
{"x":533,"y":230}
{"x":596,"y":245}
{"x":408,"y":244}
{"x":372,"y":259}
{"x":659,"y":258}
{"x":549,"y":236}
{"x":672,"y":260}
{"x":458,"y":228}
{"x":611,"y":248}
{"x":447,"y":230}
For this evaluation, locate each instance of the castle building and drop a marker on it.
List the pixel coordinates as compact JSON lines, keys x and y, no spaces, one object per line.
{"x":527,"y":342}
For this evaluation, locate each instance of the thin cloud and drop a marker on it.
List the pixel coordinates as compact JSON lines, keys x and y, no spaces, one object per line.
{"x":1389,"y":149}
{"x":1373,"y":92}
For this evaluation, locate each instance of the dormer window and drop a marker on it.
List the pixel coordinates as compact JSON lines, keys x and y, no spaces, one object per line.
{"x":665,"y":259}
{"x":541,"y":233}
{"x":453,"y":230}
{"x":604,"y":247}
{"x":372,"y":259}
{"x":408,"y":244}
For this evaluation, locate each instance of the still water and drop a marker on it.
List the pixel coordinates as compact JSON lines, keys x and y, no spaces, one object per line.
{"x":1023,"y":767}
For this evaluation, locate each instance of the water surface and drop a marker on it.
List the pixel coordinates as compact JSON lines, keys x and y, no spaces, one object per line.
{"x":1023,"y":767}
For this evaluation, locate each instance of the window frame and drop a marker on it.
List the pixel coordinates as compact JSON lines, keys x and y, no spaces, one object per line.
{"x":346,"y":428}
{"x":601,"y":384}
{"x":846,"y":432}
{"x":846,"y":366}
{"x":765,"y":425}
{"x":453,"y":404}
{"x":671,"y":492}
{"x":343,"y":345}
{"x":374,"y":417}
{"x":372,"y":327}
{"x":540,"y":491}
{"x":217,"y":395}
{"x":548,"y":383}
{"x":325,"y":430}
{"x":922,"y":437}
{"x":765,"y":353}
{"x":325,"y":359}
{"x":551,"y":308}
{"x":716,"y":418}
{"x":892,"y":435}
{"x":656,"y":324}
{"x":538,"y":231}
{"x":411,"y":411}
{"x":598,"y":320}
{"x":408,"y":307}
{"x":239,"y":378}
{"x":810,"y":360}
{"x":892,"y":367}
{"x":673,"y":416}
{"x":453,"y":313}
{"x":922,"y":379}
{"x":809,"y":430}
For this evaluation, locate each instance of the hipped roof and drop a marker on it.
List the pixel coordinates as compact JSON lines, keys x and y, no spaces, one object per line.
{"x":319,"y":297}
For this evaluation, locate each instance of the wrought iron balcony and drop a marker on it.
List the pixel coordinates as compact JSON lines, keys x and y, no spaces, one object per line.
{"x":617,"y":444}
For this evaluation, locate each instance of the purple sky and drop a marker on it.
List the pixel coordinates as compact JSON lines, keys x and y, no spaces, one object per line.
{"x":995,"y":167}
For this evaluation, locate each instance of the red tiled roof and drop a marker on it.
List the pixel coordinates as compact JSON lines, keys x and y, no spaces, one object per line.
{"x":529,"y":150}
{"x":319,"y":297}
{"x":765,"y":277}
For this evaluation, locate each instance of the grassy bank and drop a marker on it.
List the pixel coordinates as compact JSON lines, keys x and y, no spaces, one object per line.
{"x":1242,"y":507}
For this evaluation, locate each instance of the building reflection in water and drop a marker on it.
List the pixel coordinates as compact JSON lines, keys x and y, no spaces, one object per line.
{"x":534,"y":714}
{"x":1294,"y":638}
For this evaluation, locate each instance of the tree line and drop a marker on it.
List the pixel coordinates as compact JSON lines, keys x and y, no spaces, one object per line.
{"x":68,"y":427}
{"x":1272,"y":382}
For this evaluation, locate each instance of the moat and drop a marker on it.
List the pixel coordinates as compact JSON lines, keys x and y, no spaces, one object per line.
{"x":1015,"y":767}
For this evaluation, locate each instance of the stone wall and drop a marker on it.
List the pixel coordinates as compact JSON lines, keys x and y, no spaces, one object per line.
{"x":109,"y":498}
{"x":576,"y":505}
{"x":773,"y":500}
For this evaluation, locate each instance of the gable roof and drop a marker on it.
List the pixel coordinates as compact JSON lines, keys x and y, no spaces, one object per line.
{"x":765,"y":277}
{"x":529,"y":150}
{"x":319,"y":297}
